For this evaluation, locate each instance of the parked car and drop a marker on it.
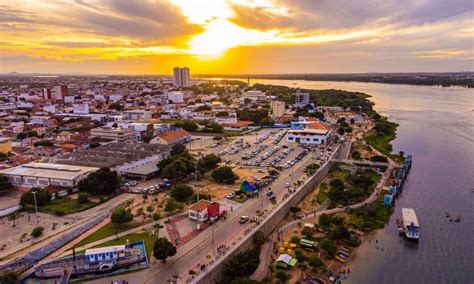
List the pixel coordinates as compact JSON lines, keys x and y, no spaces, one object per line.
{"x":243,"y":219}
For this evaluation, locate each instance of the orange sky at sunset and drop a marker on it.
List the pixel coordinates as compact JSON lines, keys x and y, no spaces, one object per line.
{"x":235,"y":36}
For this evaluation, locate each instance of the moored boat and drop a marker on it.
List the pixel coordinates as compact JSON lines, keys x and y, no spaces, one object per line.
{"x":410,"y":224}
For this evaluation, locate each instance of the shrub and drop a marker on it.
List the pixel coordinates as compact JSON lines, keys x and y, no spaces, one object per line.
{"x":182,"y":192}
{"x":224,"y":175}
{"x":83,"y":197}
{"x":37,"y":231}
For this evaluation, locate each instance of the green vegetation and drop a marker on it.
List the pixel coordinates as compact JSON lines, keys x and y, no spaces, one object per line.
{"x":100,"y":182}
{"x":26,"y":134}
{"x":347,"y":187}
{"x":4,"y":183}
{"x":259,"y":238}
{"x":177,"y":167}
{"x":321,"y":197}
{"x":162,"y":249}
{"x":37,"y":231}
{"x":257,"y":116}
{"x":312,"y":168}
{"x":171,"y":205}
{"x":209,"y":162}
{"x":182,"y":192}
{"x":27,"y":199}
{"x":121,"y":216}
{"x":370,"y":217}
{"x":381,"y":136}
{"x":64,"y":205}
{"x":241,"y":265}
{"x":224,"y":175}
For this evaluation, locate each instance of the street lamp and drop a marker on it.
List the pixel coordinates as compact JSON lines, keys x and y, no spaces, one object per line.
{"x":197,"y":193}
{"x":36,"y":207}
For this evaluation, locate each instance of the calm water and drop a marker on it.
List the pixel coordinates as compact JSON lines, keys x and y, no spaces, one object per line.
{"x":436,"y":127}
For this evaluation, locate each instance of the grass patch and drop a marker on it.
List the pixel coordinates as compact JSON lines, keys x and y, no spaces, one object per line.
{"x":65,"y":205}
{"x":232,"y":132}
{"x":321,"y":197}
{"x":108,"y":230}
{"x":382,"y":136}
{"x":371,"y":217}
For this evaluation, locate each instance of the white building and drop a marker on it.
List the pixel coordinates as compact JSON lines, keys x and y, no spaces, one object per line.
{"x":45,"y":174}
{"x":116,"y":134}
{"x":313,"y":133}
{"x":181,"y":77}
{"x":301,"y":99}
{"x":137,"y":114}
{"x":255,"y":96}
{"x":105,"y":254}
{"x":277,"y":108}
{"x":80,"y":108}
{"x":176,"y":97}
{"x":59,"y":92}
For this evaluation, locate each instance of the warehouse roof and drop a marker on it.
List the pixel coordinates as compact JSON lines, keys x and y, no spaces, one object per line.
{"x":47,"y":170}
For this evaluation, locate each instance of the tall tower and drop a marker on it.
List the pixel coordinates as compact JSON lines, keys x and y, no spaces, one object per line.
{"x":185,"y":77}
{"x":177,"y":77}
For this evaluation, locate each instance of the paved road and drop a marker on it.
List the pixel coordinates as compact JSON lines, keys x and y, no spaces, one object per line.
{"x":262,"y":270}
{"x":200,"y":250}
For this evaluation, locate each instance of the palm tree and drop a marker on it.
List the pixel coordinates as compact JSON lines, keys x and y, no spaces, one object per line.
{"x":13,"y":217}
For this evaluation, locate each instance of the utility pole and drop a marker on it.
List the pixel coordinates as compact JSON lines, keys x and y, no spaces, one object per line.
{"x":36,"y":207}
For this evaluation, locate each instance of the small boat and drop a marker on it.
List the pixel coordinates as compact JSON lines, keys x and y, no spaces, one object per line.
{"x":343,"y":253}
{"x":340,"y":259}
{"x":410,"y":224}
{"x":458,"y":219}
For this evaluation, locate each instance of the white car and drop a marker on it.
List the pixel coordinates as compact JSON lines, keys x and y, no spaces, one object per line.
{"x":287,"y":185}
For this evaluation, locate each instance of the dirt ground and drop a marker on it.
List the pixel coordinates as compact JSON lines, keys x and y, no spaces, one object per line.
{"x":309,"y":203}
{"x":364,"y":150}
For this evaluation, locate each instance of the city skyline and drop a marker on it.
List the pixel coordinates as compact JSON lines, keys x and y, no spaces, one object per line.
{"x":235,"y":36}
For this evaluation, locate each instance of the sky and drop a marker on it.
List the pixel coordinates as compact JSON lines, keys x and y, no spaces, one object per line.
{"x":236,"y":36}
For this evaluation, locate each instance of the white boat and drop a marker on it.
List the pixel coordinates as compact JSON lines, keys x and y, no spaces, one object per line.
{"x":410,"y":224}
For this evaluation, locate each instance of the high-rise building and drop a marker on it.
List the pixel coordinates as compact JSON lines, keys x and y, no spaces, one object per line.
{"x":301,"y":99}
{"x":181,"y":77}
{"x":185,"y":76}
{"x":59,"y":92}
{"x":46,"y":93}
{"x":278,"y":108}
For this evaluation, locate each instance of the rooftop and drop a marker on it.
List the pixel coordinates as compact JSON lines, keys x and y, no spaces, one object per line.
{"x":105,"y":250}
{"x":60,"y":171}
{"x":174,"y":135}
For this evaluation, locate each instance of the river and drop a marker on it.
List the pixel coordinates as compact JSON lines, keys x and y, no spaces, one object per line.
{"x":436,"y":127}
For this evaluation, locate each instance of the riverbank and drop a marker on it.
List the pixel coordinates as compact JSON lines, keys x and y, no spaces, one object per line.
{"x":435,"y":126}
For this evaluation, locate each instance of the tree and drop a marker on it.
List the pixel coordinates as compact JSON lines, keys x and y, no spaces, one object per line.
{"x":325,"y":220}
{"x":147,"y":138}
{"x":209,"y":162}
{"x":171,"y":205}
{"x":241,"y":265}
{"x":83,"y":197}
{"x":9,"y":277}
{"x":259,"y":238}
{"x":337,"y":184}
{"x":315,"y":261}
{"x":116,"y":106}
{"x":102,"y":181}
{"x":37,"y":231}
{"x":281,"y":275}
{"x":27,"y":199}
{"x":182,"y":192}
{"x":247,"y":101}
{"x":177,"y":149}
{"x":224,"y":175}
{"x":121,"y":216}
{"x":4,"y":183}
{"x":379,"y":158}
{"x":339,"y":233}
{"x":94,"y":144}
{"x":294,"y":210}
{"x":13,"y":216}
{"x":356,"y":155}
{"x":44,"y":143}
{"x":162,"y":249}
